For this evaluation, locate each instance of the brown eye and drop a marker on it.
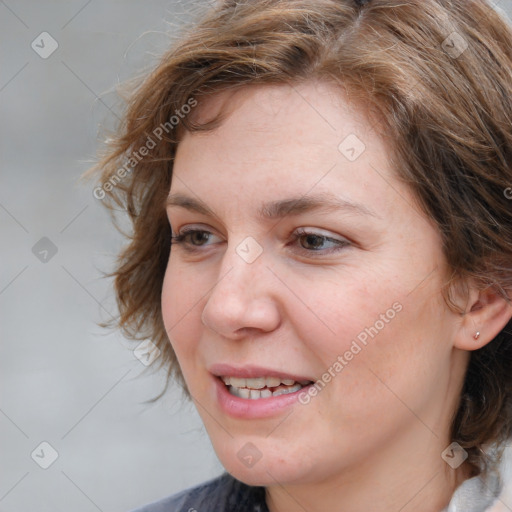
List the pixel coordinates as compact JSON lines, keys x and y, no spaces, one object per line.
{"x":311,"y":242}
{"x":199,"y":237}
{"x":191,"y":237}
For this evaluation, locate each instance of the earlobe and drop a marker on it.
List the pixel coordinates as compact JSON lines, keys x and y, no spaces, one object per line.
{"x":487,"y":313}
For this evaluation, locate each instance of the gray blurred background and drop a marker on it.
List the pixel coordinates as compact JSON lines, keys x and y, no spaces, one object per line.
{"x":66,"y":382}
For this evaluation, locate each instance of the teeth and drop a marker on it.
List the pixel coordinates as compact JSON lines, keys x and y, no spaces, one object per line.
{"x":255,"y":394}
{"x":265,"y":393}
{"x":256,"y":388}
{"x":244,"y":392}
{"x":259,"y":382}
{"x":238,"y":383}
{"x":284,"y":391}
{"x":272,"y":382}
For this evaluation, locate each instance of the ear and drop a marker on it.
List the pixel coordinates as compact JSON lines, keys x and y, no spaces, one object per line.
{"x":487,"y":313}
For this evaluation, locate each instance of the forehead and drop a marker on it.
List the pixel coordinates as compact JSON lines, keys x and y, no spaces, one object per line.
{"x":282,"y":140}
{"x":275,"y":106}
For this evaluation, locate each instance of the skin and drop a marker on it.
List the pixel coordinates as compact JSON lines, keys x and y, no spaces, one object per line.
{"x":372,"y":438}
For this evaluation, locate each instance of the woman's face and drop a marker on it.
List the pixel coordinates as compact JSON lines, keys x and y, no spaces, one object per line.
{"x":354,"y":303}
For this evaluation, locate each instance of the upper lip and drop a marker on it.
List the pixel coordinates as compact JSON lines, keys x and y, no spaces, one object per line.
{"x":252,"y":372}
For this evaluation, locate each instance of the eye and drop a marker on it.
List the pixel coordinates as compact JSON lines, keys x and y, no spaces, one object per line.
{"x":315,"y":242}
{"x":191,"y":237}
{"x":307,"y":242}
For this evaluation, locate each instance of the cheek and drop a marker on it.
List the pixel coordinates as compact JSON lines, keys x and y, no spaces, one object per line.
{"x":345,"y":312}
{"x":360,"y":333}
{"x":396,"y":369}
{"x":181,"y":312}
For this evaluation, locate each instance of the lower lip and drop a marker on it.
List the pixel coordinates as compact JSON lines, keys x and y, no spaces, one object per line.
{"x":250,"y":409}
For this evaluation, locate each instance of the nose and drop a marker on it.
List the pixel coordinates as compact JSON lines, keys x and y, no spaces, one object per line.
{"x":244,"y":300}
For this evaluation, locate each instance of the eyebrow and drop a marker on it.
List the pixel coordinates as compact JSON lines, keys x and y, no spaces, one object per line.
{"x":278,"y":209}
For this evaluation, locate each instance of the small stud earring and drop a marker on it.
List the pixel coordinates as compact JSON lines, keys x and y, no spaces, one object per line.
{"x":476,"y":335}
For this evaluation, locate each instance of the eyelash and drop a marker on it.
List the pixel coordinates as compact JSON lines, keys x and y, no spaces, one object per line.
{"x":181,"y":239}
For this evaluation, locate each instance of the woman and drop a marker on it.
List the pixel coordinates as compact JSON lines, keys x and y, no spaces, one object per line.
{"x":322,"y":249}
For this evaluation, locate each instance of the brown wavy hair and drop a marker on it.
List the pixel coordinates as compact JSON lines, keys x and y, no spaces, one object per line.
{"x":437,"y":73}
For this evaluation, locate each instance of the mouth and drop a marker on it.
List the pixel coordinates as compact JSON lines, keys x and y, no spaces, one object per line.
{"x":255,"y":392}
{"x":257,"y":388}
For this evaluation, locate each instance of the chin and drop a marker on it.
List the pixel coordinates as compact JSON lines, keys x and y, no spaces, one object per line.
{"x":265,"y":471}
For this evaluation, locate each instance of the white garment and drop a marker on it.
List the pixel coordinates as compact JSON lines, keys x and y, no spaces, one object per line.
{"x":476,"y":495}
